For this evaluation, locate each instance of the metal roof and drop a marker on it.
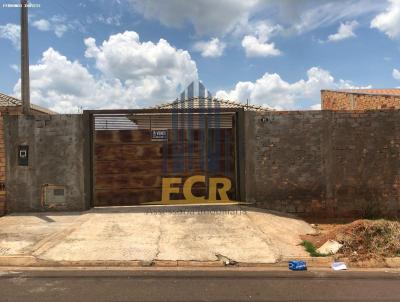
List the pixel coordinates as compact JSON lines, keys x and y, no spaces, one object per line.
{"x":9,"y":101}
{"x":208,"y":103}
{"x":197,"y":96}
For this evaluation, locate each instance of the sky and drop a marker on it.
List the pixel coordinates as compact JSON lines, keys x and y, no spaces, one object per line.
{"x":98,"y":54}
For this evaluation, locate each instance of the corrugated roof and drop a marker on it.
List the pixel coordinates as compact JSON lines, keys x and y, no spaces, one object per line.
{"x":207,"y":103}
{"x":385,"y":91}
{"x":9,"y":101}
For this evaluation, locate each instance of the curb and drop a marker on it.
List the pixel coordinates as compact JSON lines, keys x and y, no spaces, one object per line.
{"x":312,"y":262}
{"x":393,"y":262}
{"x":18,"y":260}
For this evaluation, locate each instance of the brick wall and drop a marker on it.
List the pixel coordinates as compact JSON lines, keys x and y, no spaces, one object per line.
{"x":335,"y":100}
{"x":4,"y":111}
{"x":2,"y":168}
{"x":12,"y":110}
{"x":325,"y":163}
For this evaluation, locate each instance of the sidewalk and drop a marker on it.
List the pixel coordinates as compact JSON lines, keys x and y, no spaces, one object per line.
{"x":151,"y":235}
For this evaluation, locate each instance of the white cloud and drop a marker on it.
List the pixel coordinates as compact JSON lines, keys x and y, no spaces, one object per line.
{"x":132,"y":74}
{"x":235,"y":20}
{"x":263,"y":30}
{"x":207,"y":16}
{"x":257,"y":43}
{"x":60,"y":25}
{"x":110,"y":20}
{"x":396,"y":74}
{"x":316,"y":107}
{"x":272,"y":91}
{"x":15,"y":67}
{"x":157,"y":70}
{"x":345,"y":31}
{"x":42,"y":24}
{"x":308,"y":15}
{"x":11,"y":32}
{"x":220,"y":17}
{"x":255,"y":48}
{"x":57,"y":24}
{"x":64,"y":86}
{"x":389,"y":21}
{"x":114,"y":20}
{"x":213,"y":48}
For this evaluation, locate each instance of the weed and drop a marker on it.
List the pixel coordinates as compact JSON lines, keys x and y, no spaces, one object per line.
{"x":310,"y":248}
{"x":367,"y":238}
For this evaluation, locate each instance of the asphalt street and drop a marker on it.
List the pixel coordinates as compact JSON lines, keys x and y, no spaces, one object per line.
{"x":204,"y":285}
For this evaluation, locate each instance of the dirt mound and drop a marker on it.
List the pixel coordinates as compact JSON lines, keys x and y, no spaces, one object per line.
{"x":362,"y":239}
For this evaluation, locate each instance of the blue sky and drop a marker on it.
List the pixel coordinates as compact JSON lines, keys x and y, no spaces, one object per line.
{"x":137,"y":53}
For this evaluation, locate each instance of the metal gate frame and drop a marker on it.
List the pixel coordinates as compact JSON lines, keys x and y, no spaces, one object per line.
{"x":238,"y":126}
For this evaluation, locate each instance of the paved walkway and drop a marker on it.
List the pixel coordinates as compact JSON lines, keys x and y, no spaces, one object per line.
{"x":206,"y":233}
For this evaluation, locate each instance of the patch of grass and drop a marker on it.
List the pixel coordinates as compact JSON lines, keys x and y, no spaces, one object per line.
{"x":310,"y":248}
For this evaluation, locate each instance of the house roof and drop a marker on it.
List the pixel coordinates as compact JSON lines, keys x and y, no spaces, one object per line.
{"x":9,"y":101}
{"x":207,"y":103}
{"x":386,"y":91}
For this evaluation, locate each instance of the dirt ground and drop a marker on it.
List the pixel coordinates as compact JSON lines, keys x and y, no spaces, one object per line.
{"x":362,"y":240}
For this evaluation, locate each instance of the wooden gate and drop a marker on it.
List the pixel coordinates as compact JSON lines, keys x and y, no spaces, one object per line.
{"x":133,"y":153}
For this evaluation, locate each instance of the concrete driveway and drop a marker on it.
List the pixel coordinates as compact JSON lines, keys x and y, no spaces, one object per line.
{"x":199,"y":233}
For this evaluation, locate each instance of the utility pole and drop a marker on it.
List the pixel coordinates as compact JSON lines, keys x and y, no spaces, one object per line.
{"x":25,"y":93}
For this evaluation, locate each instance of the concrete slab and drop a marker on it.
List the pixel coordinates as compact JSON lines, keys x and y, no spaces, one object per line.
{"x":19,"y":234}
{"x":282,"y":230}
{"x":157,"y":234}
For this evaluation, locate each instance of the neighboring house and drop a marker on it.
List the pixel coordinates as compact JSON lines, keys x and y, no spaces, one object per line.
{"x":156,"y":120}
{"x":360,"y":99}
{"x":214,"y":105}
{"x":208,"y":103}
{"x":11,"y":106}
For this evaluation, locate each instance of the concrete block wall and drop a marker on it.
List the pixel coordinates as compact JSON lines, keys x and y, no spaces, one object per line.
{"x":56,"y":156}
{"x":14,"y":110}
{"x":324,"y":163}
{"x":336,"y":100}
{"x":7,"y":111}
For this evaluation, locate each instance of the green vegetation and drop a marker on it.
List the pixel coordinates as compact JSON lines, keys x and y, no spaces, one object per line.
{"x":310,"y":248}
